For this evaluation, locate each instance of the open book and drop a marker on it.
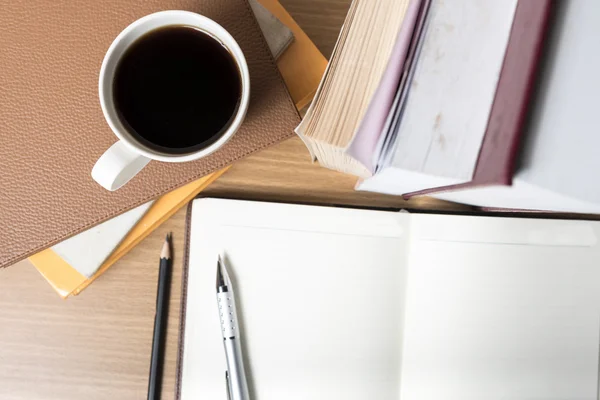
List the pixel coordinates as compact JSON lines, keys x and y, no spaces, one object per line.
{"x":361,"y":304}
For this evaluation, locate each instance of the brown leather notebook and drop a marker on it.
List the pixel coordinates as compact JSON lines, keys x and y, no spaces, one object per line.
{"x":53,"y":130}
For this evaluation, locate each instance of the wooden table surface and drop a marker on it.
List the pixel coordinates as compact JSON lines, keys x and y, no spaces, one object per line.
{"x":97,"y":345}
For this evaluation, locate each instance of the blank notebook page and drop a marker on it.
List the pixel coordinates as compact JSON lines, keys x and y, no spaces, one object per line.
{"x":501,"y":308}
{"x":320,"y":296}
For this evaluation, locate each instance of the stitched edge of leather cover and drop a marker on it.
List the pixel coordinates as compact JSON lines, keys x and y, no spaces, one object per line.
{"x":183,"y":300}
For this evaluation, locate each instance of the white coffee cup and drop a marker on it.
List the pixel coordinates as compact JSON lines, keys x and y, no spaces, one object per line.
{"x":123,"y":160}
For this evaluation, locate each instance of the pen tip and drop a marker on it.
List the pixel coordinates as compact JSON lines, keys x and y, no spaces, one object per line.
{"x":220,"y":277}
{"x":166,"y":249}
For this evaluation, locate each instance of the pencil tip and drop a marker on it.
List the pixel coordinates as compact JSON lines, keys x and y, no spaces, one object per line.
{"x":166,"y":249}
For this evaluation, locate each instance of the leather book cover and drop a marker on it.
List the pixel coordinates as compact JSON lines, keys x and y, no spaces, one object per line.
{"x":183,"y":300}
{"x":53,"y":130}
{"x":497,"y":157}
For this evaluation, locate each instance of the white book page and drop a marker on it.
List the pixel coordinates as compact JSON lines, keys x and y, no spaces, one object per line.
{"x":501,"y":308}
{"x":320,"y":295}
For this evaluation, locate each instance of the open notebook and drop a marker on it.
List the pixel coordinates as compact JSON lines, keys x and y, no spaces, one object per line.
{"x":360,"y":304}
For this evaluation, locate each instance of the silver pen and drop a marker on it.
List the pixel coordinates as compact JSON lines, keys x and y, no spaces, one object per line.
{"x":235,"y":376}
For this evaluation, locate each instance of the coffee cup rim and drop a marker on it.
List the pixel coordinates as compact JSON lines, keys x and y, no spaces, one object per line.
{"x":147,"y":24}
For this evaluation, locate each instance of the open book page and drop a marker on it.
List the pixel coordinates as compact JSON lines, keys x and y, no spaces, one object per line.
{"x":372,"y":125}
{"x":501,"y":308}
{"x":320,"y":296}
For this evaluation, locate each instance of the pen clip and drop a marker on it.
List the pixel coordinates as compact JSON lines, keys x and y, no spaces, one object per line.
{"x":228,"y":385}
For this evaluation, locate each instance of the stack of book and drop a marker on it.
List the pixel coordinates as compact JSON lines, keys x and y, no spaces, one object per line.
{"x":477,"y":104}
{"x":73,"y":264}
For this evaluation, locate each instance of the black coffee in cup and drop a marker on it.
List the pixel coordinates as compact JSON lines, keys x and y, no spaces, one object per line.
{"x":177,"y":89}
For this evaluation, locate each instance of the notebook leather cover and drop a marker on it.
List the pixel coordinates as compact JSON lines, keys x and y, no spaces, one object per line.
{"x":53,"y":130}
{"x":183,"y":300}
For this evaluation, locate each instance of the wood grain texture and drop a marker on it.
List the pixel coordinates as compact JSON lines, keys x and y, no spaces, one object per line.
{"x":285,"y":173}
{"x":92,"y":346}
{"x":97,"y":345}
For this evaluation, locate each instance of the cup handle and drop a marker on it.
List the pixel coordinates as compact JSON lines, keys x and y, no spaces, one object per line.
{"x":117,"y":166}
